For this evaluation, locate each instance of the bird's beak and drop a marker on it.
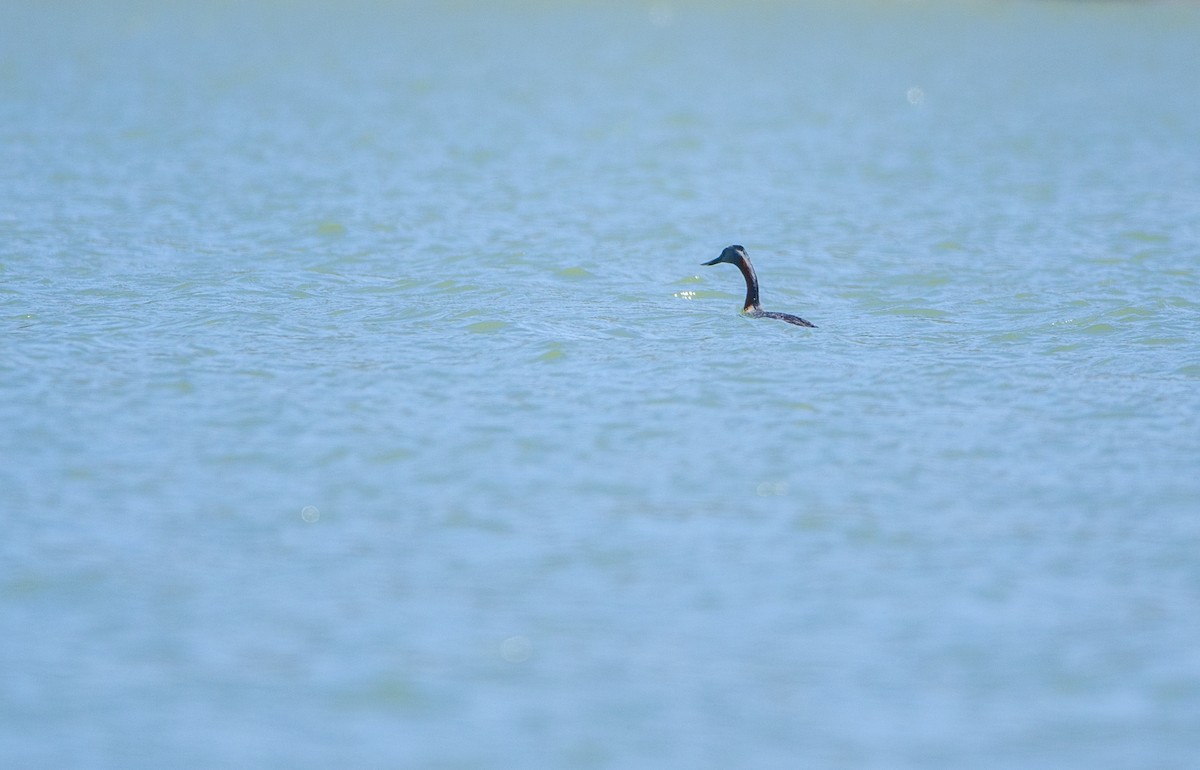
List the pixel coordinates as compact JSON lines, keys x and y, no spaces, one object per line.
{"x":713,"y":262}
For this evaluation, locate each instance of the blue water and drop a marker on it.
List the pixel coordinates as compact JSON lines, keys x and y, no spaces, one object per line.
{"x":363,"y":401}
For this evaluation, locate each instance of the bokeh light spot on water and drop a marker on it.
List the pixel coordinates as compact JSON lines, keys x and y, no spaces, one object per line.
{"x":310,"y":513}
{"x":516,"y":649}
{"x":916,"y":96}
{"x":661,"y":14}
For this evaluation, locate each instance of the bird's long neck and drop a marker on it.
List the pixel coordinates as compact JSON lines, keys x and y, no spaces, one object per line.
{"x":747,"y":269}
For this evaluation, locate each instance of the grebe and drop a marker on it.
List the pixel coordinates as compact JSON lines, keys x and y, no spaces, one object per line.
{"x":736,"y":255}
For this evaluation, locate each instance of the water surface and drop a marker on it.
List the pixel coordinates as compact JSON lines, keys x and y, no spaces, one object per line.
{"x":365,"y":402}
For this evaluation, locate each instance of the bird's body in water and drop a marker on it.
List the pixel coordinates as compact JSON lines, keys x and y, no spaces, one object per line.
{"x":736,"y":255}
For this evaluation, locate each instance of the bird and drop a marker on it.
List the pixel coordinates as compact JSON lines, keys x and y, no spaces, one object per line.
{"x":736,"y":255}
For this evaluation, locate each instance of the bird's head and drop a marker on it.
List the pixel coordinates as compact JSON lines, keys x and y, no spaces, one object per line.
{"x":732,"y":254}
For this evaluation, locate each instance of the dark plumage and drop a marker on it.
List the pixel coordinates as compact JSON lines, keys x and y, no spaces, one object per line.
{"x":736,"y":255}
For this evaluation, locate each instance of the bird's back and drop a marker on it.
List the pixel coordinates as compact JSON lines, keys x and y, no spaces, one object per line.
{"x":788,"y":317}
